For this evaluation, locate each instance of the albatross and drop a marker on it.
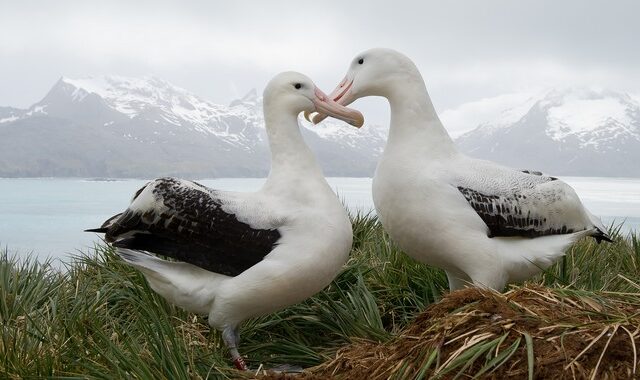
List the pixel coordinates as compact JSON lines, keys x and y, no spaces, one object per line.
{"x":238,"y":255}
{"x":483,"y":223}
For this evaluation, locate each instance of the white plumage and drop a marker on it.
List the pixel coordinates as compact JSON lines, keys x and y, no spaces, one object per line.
{"x":242,"y":255}
{"x":483,"y":223}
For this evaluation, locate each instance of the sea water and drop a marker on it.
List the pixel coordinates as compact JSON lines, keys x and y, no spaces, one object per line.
{"x":46,"y":216}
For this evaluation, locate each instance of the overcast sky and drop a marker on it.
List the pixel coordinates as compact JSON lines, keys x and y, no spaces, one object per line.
{"x":468,"y":51}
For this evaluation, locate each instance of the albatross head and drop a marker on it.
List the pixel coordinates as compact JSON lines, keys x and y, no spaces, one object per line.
{"x":375,"y":72}
{"x":293,"y":93}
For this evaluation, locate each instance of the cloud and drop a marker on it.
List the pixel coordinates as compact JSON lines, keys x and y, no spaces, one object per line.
{"x":164,"y":37}
{"x":466,"y":50}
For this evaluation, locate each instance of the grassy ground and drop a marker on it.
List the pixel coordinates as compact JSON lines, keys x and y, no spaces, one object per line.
{"x":99,"y":319}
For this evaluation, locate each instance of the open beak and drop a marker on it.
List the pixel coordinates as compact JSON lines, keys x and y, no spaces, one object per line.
{"x":326,"y":106}
{"x":341,"y":95}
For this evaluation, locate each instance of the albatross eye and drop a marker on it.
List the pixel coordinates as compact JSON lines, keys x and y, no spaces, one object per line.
{"x":297,"y":86}
{"x":361,"y":61}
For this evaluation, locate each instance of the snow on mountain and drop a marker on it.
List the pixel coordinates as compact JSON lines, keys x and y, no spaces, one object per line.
{"x":135,"y":97}
{"x":589,"y":114}
{"x":148,"y":127}
{"x":570,"y":131}
{"x":9,"y":114}
{"x":371,"y":137}
{"x":131,"y":96}
{"x":113,"y":126}
{"x":493,"y":112}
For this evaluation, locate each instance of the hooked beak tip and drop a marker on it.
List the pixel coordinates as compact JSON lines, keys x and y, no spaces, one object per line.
{"x":307,"y":116}
{"x":359,"y":122}
{"x":317,"y":118}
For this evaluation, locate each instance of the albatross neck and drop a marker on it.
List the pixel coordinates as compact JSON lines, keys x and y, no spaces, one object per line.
{"x":415,"y":125}
{"x":290,"y":155}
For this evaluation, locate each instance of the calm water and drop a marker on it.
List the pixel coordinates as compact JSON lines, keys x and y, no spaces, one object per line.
{"x":47,"y":216}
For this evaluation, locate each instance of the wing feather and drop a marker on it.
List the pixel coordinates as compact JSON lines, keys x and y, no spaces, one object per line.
{"x":526,"y":204}
{"x":188,"y":222}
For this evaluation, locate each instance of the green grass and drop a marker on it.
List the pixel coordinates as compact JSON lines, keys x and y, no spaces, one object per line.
{"x":99,"y":319}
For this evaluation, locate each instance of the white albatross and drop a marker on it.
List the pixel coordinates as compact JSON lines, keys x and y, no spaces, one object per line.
{"x":241,"y":255}
{"x":483,"y":223}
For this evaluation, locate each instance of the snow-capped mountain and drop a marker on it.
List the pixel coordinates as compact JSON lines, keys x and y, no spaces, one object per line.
{"x":574,"y":131}
{"x":9,"y":114}
{"x":146,"y":127}
{"x":115,"y":126}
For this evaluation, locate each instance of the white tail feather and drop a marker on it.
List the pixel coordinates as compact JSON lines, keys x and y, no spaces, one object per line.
{"x":538,"y":253}
{"x":182,"y":284}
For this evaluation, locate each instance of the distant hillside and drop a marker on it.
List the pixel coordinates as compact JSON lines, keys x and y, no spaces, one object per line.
{"x":146,"y":127}
{"x":576,"y":131}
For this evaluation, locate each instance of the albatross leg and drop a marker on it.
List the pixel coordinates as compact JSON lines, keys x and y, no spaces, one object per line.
{"x":457,"y":280}
{"x":231,"y":338}
{"x":236,"y":333}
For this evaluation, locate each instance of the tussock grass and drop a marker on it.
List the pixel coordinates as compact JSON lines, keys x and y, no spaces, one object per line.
{"x":99,"y":319}
{"x":529,"y":332}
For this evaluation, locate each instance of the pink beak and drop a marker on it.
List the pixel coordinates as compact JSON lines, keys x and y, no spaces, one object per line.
{"x":327,"y":106}
{"x":341,"y":90}
{"x":340,"y":95}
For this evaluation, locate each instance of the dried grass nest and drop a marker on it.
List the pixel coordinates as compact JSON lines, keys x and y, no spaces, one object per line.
{"x":528,"y":332}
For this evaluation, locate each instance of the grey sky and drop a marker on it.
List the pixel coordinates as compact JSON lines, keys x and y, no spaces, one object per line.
{"x":466,"y":50}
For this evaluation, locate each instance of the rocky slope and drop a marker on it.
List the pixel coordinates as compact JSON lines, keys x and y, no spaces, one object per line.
{"x":575,"y":131}
{"x":146,"y":127}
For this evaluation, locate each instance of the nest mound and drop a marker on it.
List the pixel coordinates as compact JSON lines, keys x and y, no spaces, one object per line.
{"x":528,"y":332}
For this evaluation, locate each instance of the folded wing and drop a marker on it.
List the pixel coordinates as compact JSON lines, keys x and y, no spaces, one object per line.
{"x":192,"y":223}
{"x":527,"y":204}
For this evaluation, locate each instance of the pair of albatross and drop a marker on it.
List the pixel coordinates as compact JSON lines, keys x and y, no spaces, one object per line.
{"x":247,"y":254}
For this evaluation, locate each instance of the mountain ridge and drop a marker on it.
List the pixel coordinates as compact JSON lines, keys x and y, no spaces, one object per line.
{"x":571,"y":131}
{"x":113,"y":126}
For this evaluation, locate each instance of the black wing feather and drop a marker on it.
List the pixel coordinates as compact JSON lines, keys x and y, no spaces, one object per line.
{"x":506,"y":217}
{"x":193,"y":228}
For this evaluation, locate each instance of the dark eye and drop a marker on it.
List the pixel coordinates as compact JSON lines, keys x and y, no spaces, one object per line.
{"x":361,"y":61}
{"x":297,"y":86}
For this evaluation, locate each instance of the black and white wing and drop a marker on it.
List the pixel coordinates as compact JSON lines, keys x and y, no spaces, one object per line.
{"x":527,"y":204}
{"x":192,"y":223}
